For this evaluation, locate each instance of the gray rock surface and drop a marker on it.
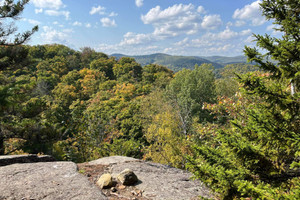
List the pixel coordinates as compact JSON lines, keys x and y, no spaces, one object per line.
{"x":158,"y":181}
{"x":112,"y":160}
{"x":47,"y":180}
{"x":12,"y":159}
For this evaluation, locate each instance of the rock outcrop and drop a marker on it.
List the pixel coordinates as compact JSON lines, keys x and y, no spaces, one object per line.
{"x":157,"y":181}
{"x":62,"y":181}
{"x":46,"y":180}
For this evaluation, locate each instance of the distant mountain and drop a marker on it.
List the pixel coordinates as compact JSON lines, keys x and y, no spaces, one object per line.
{"x":177,"y":63}
{"x":226,"y":60}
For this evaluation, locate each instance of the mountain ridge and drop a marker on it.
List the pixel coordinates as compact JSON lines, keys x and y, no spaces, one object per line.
{"x":176,"y":63}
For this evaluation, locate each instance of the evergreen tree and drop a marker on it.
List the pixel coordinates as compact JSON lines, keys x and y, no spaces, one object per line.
{"x":259,"y":157}
{"x":9,"y":10}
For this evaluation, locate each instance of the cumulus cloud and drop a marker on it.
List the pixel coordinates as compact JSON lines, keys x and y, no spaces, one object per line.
{"x":250,"y":12}
{"x":77,"y":23}
{"x":113,"y":14}
{"x":98,"y":10}
{"x":139,"y":3}
{"x":146,"y":49}
{"x":227,"y":34}
{"x":211,"y":22}
{"x":51,"y":35}
{"x":31,"y":21}
{"x":201,"y":10}
{"x":58,"y":13}
{"x":107,"y":22}
{"x":174,"y":12}
{"x":226,"y":42}
{"x":274,"y":28}
{"x":37,"y":11}
{"x":51,"y":4}
{"x":135,"y":39}
{"x":88,"y":25}
{"x":177,"y":19}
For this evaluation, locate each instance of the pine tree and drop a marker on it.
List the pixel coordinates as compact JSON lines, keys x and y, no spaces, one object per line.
{"x":260,"y":157}
{"x":9,"y":10}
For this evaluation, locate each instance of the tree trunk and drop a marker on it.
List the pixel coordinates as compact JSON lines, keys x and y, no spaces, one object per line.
{"x":1,"y":144}
{"x":292,"y":88}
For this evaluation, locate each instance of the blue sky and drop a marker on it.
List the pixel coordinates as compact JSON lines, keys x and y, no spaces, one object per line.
{"x":137,"y":27}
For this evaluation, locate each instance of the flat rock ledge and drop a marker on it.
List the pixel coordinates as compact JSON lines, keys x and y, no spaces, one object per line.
{"x":62,"y":181}
{"x":46,"y":180}
{"x":157,"y":181}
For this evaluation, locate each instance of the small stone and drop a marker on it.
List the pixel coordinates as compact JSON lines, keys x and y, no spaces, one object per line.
{"x":127,"y":177}
{"x":139,"y":193}
{"x":122,"y":187}
{"x":105,"y":181}
{"x":113,"y":189}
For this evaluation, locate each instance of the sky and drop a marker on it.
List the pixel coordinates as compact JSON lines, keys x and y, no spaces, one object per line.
{"x":139,"y":27}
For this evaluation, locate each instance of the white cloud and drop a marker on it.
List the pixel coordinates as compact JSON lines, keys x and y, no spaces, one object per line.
{"x":100,"y":10}
{"x":157,"y":15}
{"x":32,"y":21}
{"x":274,"y":29}
{"x":113,"y":14}
{"x":211,"y":22}
{"x":227,"y":34}
{"x":201,"y":10}
{"x":226,"y":42}
{"x":239,"y":23}
{"x":51,"y":4}
{"x":37,"y":11}
{"x":68,"y":30}
{"x":107,"y":22}
{"x":51,"y":35}
{"x":139,"y":3}
{"x":145,"y":49}
{"x":88,"y":25}
{"x":182,"y":42}
{"x":175,"y":20}
{"x":250,"y":12}
{"x":76,"y":23}
{"x":134,"y":39}
{"x":58,"y":13}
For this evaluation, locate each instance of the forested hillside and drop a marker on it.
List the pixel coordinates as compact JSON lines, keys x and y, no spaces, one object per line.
{"x":175,"y":63}
{"x":79,"y":105}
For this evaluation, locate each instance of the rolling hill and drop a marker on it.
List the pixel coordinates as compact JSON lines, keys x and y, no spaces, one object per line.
{"x":177,"y":63}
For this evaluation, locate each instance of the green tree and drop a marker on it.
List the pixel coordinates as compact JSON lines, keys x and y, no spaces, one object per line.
{"x":127,"y":70}
{"x":12,"y":10}
{"x":157,"y":75}
{"x":9,"y":10}
{"x":258,"y":156}
{"x":104,"y":65}
{"x":226,"y":84}
{"x":189,"y":90}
